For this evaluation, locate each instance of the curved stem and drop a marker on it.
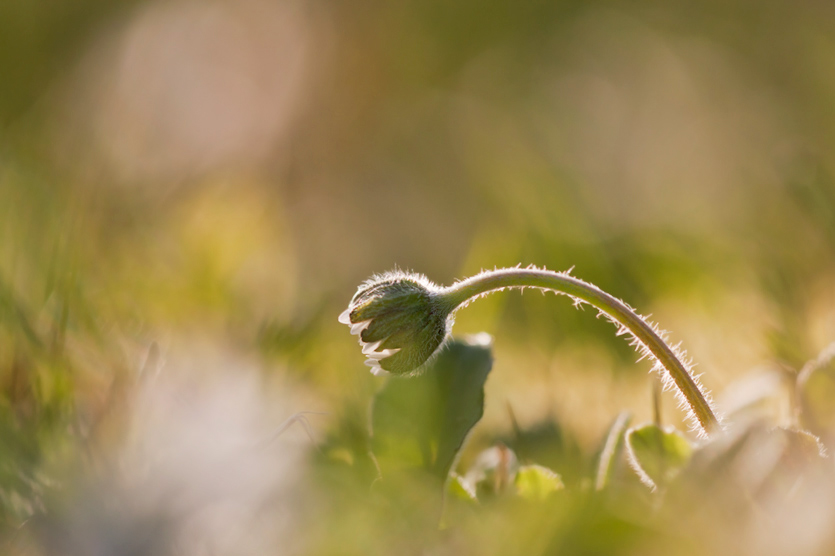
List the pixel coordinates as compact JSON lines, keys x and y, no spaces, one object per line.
{"x":461,"y":293}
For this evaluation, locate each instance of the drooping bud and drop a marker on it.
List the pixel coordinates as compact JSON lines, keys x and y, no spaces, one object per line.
{"x":402,"y":320}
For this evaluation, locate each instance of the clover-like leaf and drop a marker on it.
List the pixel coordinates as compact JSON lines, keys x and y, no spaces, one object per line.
{"x":657,"y":454}
{"x":535,"y":482}
{"x":422,"y":422}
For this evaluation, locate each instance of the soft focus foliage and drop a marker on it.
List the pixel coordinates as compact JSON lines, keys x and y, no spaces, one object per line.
{"x":656,"y":454}
{"x":191,"y":190}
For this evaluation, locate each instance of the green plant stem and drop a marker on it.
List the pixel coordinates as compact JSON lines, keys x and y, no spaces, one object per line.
{"x":463,"y":292}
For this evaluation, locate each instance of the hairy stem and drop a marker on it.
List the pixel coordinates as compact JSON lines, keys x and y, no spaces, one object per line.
{"x":463,"y":292}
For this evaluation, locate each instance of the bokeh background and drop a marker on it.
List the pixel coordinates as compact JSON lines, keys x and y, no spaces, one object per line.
{"x":190,"y":192}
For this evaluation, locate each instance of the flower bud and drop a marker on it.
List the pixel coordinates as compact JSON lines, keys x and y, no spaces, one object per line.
{"x":402,"y":321}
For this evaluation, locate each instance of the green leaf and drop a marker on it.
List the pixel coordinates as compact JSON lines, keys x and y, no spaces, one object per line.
{"x":535,"y":482}
{"x":458,"y":487}
{"x":657,"y":454}
{"x":422,"y":422}
{"x":816,"y":391}
{"x":612,"y":447}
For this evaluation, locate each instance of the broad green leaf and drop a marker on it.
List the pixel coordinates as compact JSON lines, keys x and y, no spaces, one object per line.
{"x":535,"y":482}
{"x":422,"y":422}
{"x":657,"y":454}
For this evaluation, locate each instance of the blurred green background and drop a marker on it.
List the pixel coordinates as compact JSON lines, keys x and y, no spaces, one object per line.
{"x":190,"y":192}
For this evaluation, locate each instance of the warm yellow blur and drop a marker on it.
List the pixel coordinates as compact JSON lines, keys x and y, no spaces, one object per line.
{"x":190,"y":192}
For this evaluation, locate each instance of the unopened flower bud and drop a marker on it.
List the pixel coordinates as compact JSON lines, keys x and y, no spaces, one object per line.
{"x":402,"y":321}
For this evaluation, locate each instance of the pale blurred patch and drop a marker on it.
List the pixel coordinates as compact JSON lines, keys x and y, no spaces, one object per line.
{"x":639,"y":128}
{"x":197,"y":468}
{"x":185,"y":87}
{"x":723,"y":330}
